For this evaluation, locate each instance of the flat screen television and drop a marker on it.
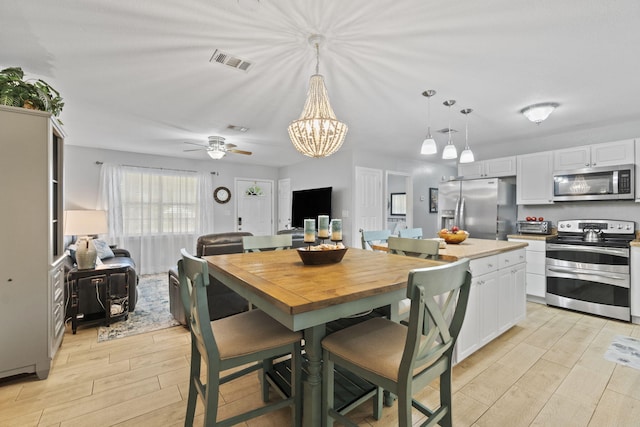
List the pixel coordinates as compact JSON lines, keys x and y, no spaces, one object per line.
{"x":309,"y":204}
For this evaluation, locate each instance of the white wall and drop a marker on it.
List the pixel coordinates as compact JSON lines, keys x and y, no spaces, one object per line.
{"x":82,"y":177}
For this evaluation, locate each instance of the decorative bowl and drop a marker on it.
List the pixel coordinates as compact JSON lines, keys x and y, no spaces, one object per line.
{"x":456,"y":238}
{"x":319,"y":257}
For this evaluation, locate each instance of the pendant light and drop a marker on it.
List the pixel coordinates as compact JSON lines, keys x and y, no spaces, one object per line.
{"x":450,"y":151}
{"x":467,"y":155}
{"x":317,"y":133}
{"x":429,"y":144}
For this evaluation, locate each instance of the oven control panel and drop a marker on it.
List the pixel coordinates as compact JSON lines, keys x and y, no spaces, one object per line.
{"x":604,"y":225}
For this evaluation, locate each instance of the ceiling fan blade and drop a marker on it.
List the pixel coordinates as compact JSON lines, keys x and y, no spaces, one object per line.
{"x":195,"y":143}
{"x":195,"y":149}
{"x":229,"y":145}
{"x":239,"y":152}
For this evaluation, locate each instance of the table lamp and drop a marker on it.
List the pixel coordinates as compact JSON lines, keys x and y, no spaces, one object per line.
{"x":85,"y":224}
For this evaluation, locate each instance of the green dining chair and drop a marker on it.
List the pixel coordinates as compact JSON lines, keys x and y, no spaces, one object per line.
{"x":404,"y":359}
{"x":411,"y":233}
{"x":420,"y":248}
{"x":368,"y":237}
{"x":250,"y":340}
{"x":259,"y":243}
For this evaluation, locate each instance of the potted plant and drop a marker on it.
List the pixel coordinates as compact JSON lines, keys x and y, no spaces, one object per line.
{"x":33,"y":94}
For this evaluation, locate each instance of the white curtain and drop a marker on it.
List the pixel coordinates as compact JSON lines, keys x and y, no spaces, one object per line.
{"x":153,"y":213}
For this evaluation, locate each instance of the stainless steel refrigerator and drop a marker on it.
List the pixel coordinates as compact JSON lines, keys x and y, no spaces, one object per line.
{"x":486,"y":208}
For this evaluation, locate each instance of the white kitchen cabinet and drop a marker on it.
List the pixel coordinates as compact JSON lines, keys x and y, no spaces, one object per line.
{"x":605,"y":154}
{"x":503,"y":166}
{"x":534,"y":180}
{"x":635,"y":284}
{"x":511,"y":289}
{"x":496,"y":301}
{"x":31,"y":291}
{"x":536,"y":279}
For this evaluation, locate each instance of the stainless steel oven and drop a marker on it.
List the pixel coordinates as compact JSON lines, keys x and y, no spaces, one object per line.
{"x":588,"y":269}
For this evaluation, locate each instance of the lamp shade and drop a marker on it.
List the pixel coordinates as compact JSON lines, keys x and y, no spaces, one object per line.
{"x":467,"y":156}
{"x":429,"y":146}
{"x":216,"y":154}
{"x":85,"y":222}
{"x":449,"y":152}
{"x":537,"y":113}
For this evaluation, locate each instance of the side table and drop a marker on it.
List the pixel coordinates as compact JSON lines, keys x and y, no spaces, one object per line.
{"x":94,"y":291}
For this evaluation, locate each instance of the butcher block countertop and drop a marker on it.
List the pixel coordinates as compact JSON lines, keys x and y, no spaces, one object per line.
{"x":477,"y":248}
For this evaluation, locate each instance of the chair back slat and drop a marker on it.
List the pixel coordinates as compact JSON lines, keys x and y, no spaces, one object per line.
{"x":439,"y":297}
{"x":194,"y":278}
{"x":372,"y":236}
{"x":421,"y":248}
{"x":259,"y":243}
{"x":410,"y":233}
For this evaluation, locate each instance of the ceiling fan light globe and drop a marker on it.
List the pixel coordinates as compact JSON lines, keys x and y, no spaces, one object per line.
{"x":449,"y":152}
{"x":429,"y":146}
{"x":214,"y":154}
{"x":467,"y":156}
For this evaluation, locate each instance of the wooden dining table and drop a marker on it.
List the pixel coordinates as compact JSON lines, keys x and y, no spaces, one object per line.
{"x":307,"y":297}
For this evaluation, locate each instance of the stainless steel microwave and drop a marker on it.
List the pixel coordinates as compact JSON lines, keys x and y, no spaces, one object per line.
{"x":599,"y":183}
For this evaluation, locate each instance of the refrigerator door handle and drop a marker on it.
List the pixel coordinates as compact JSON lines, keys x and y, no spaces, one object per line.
{"x":456,"y":213}
{"x":461,"y":222}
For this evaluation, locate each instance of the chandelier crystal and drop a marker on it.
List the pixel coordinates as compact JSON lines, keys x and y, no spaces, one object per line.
{"x":317,"y":132}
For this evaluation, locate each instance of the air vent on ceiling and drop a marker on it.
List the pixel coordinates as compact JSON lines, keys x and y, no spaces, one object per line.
{"x":446,"y":130}
{"x":238,"y":128}
{"x":230,"y":60}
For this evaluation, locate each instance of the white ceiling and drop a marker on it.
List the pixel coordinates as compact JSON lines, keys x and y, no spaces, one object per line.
{"x":136,"y":76}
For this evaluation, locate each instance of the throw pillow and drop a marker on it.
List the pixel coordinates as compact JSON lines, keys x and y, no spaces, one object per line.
{"x":103,"y":249}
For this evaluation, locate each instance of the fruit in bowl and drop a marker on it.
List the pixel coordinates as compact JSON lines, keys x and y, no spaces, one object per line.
{"x":454,"y":235}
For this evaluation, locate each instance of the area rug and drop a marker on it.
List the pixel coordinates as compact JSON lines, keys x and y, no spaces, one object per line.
{"x":625,"y":351}
{"x":151,"y":312}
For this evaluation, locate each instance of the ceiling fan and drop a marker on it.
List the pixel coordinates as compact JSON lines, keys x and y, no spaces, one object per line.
{"x":217,"y":148}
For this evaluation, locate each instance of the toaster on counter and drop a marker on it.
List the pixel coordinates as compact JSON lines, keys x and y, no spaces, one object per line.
{"x":534,"y":227}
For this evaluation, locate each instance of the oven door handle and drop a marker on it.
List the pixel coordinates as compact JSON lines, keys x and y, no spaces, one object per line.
{"x":623,"y":252}
{"x":573,"y":271}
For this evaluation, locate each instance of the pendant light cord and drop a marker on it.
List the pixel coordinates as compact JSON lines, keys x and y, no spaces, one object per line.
{"x":317,"y":58}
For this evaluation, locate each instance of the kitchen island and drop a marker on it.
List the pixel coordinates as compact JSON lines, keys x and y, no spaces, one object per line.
{"x":497,"y":300}
{"x":477,"y":248}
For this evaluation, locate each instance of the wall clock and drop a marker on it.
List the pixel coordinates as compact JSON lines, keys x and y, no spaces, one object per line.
{"x":222,"y":194}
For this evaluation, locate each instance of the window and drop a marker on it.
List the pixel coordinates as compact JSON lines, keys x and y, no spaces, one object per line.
{"x":157,"y":202}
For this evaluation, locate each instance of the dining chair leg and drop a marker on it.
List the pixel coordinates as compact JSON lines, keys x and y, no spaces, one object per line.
{"x":404,"y":405}
{"x":377,"y":403}
{"x":193,"y":391}
{"x":446,"y":397}
{"x":267,"y":366}
{"x":211,"y":400}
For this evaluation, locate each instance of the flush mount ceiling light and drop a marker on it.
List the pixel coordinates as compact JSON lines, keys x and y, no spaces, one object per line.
{"x":450,"y":151}
{"x":317,"y":133}
{"x":537,"y":113}
{"x":467,"y":155}
{"x":429,"y":144}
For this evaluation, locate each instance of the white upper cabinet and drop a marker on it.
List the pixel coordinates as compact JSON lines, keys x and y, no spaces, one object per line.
{"x":605,"y":154}
{"x":534,"y":181}
{"x":503,"y":166}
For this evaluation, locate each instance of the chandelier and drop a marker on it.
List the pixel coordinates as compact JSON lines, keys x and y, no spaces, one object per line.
{"x":317,"y":133}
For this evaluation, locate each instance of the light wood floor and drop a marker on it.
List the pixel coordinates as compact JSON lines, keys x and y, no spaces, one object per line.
{"x":547,"y":371}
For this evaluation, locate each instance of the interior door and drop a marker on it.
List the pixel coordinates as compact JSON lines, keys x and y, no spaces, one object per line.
{"x":254,"y":206}
{"x":284,"y":204}
{"x":369,"y":208}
